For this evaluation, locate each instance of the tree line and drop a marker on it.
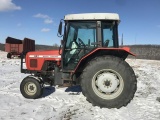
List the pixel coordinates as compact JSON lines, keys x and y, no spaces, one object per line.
{"x":151,"y":52}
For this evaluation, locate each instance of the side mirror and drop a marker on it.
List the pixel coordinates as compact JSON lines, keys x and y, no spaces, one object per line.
{"x":60,"y":29}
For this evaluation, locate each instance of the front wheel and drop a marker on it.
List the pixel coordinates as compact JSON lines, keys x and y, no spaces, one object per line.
{"x":108,"y":82}
{"x":31,"y":88}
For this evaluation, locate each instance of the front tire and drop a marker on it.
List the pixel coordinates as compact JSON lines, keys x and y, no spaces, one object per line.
{"x":31,"y":88}
{"x":108,"y":82}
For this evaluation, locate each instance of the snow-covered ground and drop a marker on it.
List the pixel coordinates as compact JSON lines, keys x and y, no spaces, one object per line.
{"x":63,"y":104}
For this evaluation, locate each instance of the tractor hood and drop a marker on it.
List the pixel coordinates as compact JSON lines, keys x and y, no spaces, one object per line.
{"x":35,"y":60}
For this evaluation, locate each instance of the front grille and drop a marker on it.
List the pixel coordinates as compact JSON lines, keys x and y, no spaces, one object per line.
{"x":33,"y":63}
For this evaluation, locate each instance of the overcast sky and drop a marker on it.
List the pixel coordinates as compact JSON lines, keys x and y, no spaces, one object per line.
{"x":39,"y":19}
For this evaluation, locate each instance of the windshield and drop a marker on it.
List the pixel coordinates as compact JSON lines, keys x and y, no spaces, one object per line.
{"x":86,"y":31}
{"x":79,"y":38}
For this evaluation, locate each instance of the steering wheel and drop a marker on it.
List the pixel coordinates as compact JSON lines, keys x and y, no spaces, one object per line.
{"x":106,"y":43}
{"x":81,"y":43}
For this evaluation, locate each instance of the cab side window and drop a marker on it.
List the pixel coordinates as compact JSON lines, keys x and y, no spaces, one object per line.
{"x":107,"y":35}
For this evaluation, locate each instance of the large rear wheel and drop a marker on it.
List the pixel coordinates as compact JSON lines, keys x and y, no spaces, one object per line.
{"x":108,"y":82}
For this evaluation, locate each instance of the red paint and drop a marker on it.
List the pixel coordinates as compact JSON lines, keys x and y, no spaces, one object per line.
{"x":126,"y":49}
{"x":42,"y":56}
{"x":40,"y":60}
{"x":17,"y":48}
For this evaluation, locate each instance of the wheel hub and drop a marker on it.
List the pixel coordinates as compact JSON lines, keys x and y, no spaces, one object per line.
{"x":30,"y":88}
{"x":107,"y":82}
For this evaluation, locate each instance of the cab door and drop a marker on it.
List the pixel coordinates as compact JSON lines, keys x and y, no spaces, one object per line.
{"x":79,"y":39}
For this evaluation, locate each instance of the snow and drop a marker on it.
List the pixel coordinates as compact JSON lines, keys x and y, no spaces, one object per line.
{"x":64,"y":104}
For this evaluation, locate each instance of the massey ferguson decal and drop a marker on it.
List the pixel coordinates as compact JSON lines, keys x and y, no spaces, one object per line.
{"x":44,"y":56}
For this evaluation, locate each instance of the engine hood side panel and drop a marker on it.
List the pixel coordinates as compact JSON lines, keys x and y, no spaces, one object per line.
{"x":35,"y":60}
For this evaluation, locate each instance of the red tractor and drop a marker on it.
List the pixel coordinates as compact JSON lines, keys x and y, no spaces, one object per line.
{"x":89,"y":56}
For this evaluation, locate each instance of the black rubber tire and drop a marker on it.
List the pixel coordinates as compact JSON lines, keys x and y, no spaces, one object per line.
{"x":9,"y":55}
{"x":36,"y":83}
{"x":111,"y":63}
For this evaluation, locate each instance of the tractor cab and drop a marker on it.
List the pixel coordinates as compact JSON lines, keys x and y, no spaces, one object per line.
{"x":84,"y":33}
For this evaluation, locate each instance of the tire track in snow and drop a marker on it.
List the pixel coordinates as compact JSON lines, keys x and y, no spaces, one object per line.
{"x":8,"y":87}
{"x":10,"y":93}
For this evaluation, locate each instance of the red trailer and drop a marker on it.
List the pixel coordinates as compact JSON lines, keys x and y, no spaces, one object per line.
{"x":15,"y":47}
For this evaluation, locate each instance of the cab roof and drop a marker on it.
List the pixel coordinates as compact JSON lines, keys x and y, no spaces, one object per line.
{"x":93,"y":16}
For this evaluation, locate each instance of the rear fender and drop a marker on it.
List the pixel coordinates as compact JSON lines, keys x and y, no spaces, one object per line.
{"x":118,"y":52}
